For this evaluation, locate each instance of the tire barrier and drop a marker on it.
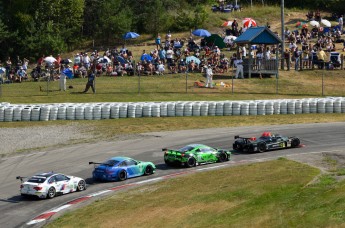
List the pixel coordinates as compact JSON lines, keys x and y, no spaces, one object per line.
{"x":97,"y":111}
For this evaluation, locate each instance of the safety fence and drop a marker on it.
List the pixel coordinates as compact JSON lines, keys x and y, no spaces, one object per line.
{"x":97,"y":111}
{"x":316,"y":84}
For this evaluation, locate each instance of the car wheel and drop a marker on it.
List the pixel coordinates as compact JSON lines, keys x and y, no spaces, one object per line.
{"x":262,"y":147}
{"x":148,"y":170}
{"x":222,"y":157}
{"x":81,"y":185}
{"x":295,"y":142}
{"x":122,"y":175}
{"x":237,"y":146}
{"x":51,"y":193}
{"x":191,"y":162}
{"x":168,"y":163}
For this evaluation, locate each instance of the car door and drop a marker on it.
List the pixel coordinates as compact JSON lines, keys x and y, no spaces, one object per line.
{"x":62,"y":184}
{"x":132,"y":168}
{"x":208,"y":154}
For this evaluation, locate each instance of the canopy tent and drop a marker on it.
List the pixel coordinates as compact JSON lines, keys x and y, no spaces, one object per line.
{"x":215,"y":40}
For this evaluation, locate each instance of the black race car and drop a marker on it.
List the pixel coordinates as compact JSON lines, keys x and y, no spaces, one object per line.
{"x":267,"y":141}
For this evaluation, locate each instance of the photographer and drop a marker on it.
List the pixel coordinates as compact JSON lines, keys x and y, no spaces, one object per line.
{"x":90,"y":82}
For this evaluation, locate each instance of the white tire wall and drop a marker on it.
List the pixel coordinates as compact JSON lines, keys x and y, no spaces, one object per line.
{"x":98,"y":111}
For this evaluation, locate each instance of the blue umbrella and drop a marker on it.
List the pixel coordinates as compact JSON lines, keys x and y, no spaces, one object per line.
{"x":201,"y":32}
{"x":121,"y":60}
{"x":130,"y":35}
{"x":68,"y":72}
{"x":146,"y":57}
{"x":195,"y":59}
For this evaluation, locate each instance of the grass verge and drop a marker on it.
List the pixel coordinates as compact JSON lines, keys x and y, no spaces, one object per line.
{"x":269,"y":194}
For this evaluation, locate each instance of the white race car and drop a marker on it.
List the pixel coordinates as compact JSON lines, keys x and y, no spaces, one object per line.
{"x":48,"y":185}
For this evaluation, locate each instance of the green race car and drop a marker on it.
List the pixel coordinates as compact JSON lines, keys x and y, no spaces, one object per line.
{"x":195,"y":154}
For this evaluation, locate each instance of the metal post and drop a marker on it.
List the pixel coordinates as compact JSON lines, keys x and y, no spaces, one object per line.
{"x":139,"y":78}
{"x":283,"y":35}
{"x":48,"y":79}
{"x":323,"y":73}
{"x":232,"y":80}
{"x":186,"y":80}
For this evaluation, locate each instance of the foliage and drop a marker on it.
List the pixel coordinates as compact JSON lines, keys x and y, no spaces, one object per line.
{"x":30,"y":28}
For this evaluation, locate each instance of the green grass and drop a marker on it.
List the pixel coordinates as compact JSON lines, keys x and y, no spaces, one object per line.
{"x":270,"y":194}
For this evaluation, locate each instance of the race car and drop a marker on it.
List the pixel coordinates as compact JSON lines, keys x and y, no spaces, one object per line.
{"x":48,"y":185}
{"x":195,"y":154}
{"x":267,"y":141}
{"x":121,"y":168}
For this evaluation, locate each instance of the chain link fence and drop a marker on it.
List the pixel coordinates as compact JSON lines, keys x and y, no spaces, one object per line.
{"x":321,"y":83}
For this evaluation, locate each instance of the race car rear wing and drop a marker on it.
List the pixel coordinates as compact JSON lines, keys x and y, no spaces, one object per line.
{"x":251,"y":138}
{"x":20,"y":178}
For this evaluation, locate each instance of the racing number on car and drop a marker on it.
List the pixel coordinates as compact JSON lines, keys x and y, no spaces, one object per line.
{"x":282,"y":144}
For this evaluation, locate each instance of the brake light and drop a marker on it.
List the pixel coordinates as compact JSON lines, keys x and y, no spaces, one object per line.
{"x":37,"y":188}
{"x":21,"y":186}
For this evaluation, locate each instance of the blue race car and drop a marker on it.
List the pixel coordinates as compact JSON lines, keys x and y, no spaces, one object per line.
{"x":121,"y":168}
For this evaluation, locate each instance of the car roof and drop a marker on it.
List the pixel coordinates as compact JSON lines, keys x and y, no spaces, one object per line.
{"x":120,"y":159}
{"x":46,"y":175}
{"x":197,"y":145}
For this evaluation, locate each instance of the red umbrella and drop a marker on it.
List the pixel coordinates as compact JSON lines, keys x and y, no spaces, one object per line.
{"x":227,"y":23}
{"x":249,"y":22}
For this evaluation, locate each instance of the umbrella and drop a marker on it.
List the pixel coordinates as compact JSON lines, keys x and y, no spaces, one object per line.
{"x":104,"y":59}
{"x":201,"y":32}
{"x":227,"y":23}
{"x":2,"y":70}
{"x":301,"y":24}
{"x":130,"y":35}
{"x":68,"y":72}
{"x":195,"y":59}
{"x":146,"y":57}
{"x":314,"y":23}
{"x":121,"y":59}
{"x":228,"y":39}
{"x":326,"y":23}
{"x":249,"y":22}
{"x":66,"y":61}
{"x":50,"y":59}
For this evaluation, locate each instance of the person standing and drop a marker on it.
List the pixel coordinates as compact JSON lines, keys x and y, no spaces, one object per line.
{"x":239,"y":68}
{"x":158,"y":41}
{"x":209,"y":77}
{"x":341,"y":23}
{"x":62,"y":80}
{"x":321,"y":56}
{"x":90,"y":82}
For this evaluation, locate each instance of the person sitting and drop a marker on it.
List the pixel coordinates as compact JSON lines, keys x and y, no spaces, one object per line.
{"x":192,"y":66}
{"x":21,"y":75}
{"x":161,"y":68}
{"x":172,"y":67}
{"x":119,"y":69}
{"x":182,"y":66}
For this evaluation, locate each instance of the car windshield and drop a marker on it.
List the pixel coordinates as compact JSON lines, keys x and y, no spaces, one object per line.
{"x":37,"y":179}
{"x":186,"y":148}
{"x":110,"y":162}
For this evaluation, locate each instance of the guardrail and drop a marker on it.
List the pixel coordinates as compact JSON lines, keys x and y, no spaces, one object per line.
{"x":97,"y":111}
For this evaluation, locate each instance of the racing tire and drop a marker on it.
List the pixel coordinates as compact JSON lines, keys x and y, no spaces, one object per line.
{"x":51,"y":193}
{"x":223,"y":157}
{"x":148,"y":170}
{"x":122,"y":175}
{"x":81,"y":186}
{"x":168,"y":163}
{"x":295,"y":142}
{"x":237,"y":146}
{"x":191,"y":162}
{"x":262,"y":147}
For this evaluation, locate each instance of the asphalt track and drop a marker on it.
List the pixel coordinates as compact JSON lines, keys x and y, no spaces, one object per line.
{"x":73,"y":160}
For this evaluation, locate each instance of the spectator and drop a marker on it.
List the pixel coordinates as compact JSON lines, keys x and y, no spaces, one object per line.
{"x":158,"y":41}
{"x":8,"y":67}
{"x":321,"y":56}
{"x":90,"y":82}
{"x":239,"y":68}
{"x":161,"y":68}
{"x":20,"y":75}
{"x":341,"y":23}
{"x":296,"y":54}
{"x":209,"y":77}
{"x":192,"y":66}
{"x":234,"y":27}
{"x":62,"y":80}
